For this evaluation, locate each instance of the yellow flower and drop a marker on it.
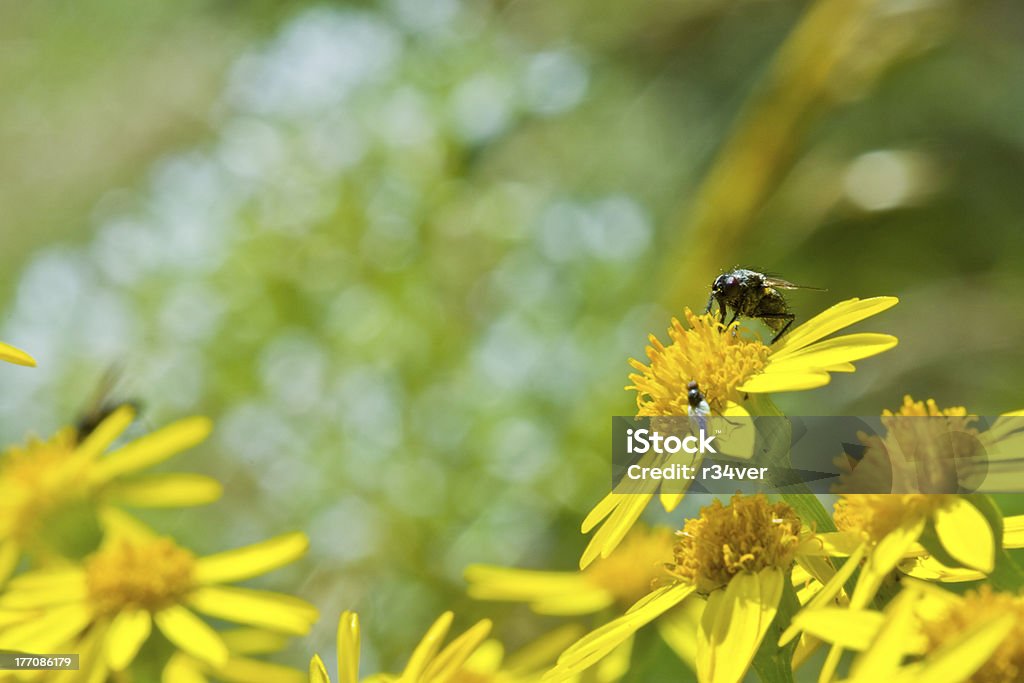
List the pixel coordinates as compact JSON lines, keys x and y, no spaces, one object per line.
{"x":616,"y":582}
{"x":738,"y":557}
{"x":928,"y":449}
{"x":735,"y":374}
{"x":50,"y":483}
{"x":883,"y":529}
{"x":974,"y":638}
{"x":17,"y":356}
{"x":106,"y":607}
{"x":429,"y":663}
{"x":619,"y":580}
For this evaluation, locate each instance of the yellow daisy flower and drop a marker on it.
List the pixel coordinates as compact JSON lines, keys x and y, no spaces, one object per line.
{"x":429,"y":663}
{"x":736,"y":374}
{"x":49,"y":482}
{"x":878,"y":531}
{"x":738,"y":558}
{"x":928,"y":635}
{"x":14,"y":355}
{"x":928,"y":449}
{"x":106,"y":607}
{"x":945,"y":537}
{"x":615,"y":582}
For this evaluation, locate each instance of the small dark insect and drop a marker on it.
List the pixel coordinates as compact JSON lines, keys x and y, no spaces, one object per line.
{"x":753,"y":295}
{"x":100,"y":406}
{"x":698,"y":404}
{"x":698,"y":408}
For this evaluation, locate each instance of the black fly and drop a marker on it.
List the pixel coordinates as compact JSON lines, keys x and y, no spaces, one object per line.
{"x":753,"y":295}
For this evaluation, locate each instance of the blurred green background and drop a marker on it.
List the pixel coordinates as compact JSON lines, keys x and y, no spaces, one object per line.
{"x":401,"y":251}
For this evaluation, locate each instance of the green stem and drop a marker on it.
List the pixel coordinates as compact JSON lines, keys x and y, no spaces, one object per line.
{"x":771,"y":662}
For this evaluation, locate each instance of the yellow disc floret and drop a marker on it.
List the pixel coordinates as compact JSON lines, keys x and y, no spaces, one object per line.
{"x":979,"y":607}
{"x":704,"y":352}
{"x":147,"y":574}
{"x":748,"y":535}
{"x":875,"y":515}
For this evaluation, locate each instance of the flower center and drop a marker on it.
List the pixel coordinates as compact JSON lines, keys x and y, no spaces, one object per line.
{"x":875,"y":515}
{"x":719,"y":360}
{"x":977,"y":607}
{"x":629,"y":572}
{"x":748,"y":535}
{"x":37,"y":479}
{"x":147,"y":574}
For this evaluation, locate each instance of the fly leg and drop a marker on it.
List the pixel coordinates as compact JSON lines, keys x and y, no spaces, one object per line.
{"x":788,"y":317}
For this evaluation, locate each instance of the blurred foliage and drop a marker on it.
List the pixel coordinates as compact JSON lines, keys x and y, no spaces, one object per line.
{"x":401,"y":253}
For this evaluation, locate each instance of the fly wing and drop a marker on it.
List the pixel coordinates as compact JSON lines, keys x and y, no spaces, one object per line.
{"x":779,"y":283}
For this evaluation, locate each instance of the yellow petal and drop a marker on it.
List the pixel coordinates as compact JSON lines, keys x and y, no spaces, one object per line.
{"x":929,"y":569}
{"x":10,"y":552}
{"x":958,"y":660}
{"x":769,"y":382}
{"x":244,"y":670}
{"x":105,"y":434}
{"x":597,"y":644}
{"x":1013,"y":531}
{"x":449,"y":660}
{"x":45,"y":587}
{"x":564,"y":593}
{"x":884,"y":557}
{"x":274,"y":611}
{"x":192,"y":635}
{"x":128,"y":631}
{"x":49,"y":630}
{"x":670,"y":501}
{"x":832,"y":544}
{"x":166,"y":490}
{"x":317,"y":671}
{"x":890,"y":645}
{"x":734,"y":622}
{"x":181,"y":668}
{"x":152,"y":448}
{"x":627,"y":510}
{"x":835,"y":351}
{"x":966,"y":535}
{"x":251,"y":560}
{"x":427,"y":648}
{"x":851,"y":629}
{"x":833,"y":319}
{"x":828,"y":592}
{"x":119,"y":524}
{"x":250,"y":641}
{"x":15,"y":355}
{"x":616,"y":664}
{"x":677,"y":627}
{"x":348,"y":648}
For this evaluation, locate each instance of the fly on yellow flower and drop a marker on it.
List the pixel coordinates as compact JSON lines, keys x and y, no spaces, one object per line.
{"x":14,"y":355}
{"x":735,"y":374}
{"x":48,"y":482}
{"x":615,"y":582}
{"x":429,"y":663}
{"x":738,"y":558}
{"x":106,"y":608}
